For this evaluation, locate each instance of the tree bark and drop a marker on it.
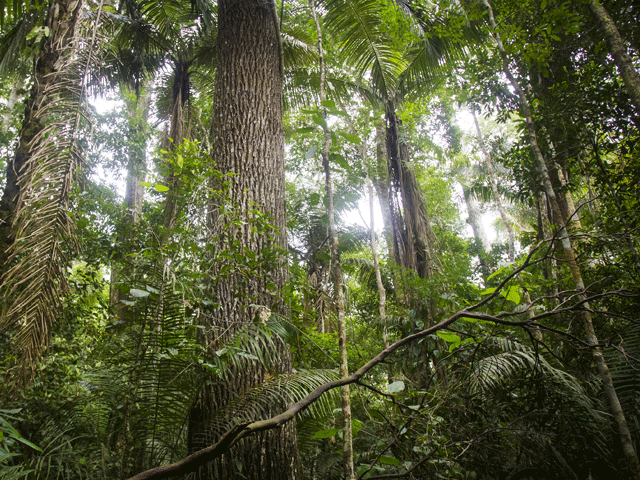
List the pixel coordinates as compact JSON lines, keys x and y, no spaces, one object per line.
{"x":412,"y":232}
{"x":631,"y":458}
{"x":247,"y":139}
{"x":618,"y":51}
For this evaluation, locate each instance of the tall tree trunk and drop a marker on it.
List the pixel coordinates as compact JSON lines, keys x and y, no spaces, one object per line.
{"x":248,"y":141}
{"x":61,"y":20}
{"x":380,"y":180}
{"x":413,"y":235}
{"x":382,"y":292}
{"x":474,"y":219}
{"x":631,"y":458}
{"x":138,"y":112}
{"x":618,"y":51}
{"x":178,"y":131}
{"x":338,"y":282}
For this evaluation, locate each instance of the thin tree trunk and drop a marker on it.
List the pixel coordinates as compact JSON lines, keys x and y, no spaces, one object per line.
{"x":380,"y":181}
{"x":138,"y":112}
{"x":248,"y":141}
{"x":615,"y":408}
{"x":382,"y":292}
{"x":618,"y":51}
{"x":474,"y":219}
{"x":338,"y":283}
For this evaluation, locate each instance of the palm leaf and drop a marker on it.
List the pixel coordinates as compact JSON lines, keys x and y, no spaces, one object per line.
{"x":277,"y":393}
{"x":44,"y":231}
{"x":365,"y":43}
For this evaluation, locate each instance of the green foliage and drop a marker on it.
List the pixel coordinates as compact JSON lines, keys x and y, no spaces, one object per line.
{"x":133,"y":348}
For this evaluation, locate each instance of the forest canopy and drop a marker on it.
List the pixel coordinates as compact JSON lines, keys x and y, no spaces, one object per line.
{"x":320,"y":239}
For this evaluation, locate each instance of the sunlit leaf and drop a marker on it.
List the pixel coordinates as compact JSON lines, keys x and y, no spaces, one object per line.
{"x":325,"y":433}
{"x":396,"y":386}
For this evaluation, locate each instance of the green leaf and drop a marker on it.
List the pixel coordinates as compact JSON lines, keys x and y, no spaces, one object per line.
{"x":318,"y":120}
{"x":494,"y":274}
{"x":340,"y":160}
{"x":356,"y":426}
{"x":161,"y":188}
{"x":488,"y":291}
{"x":239,"y":465}
{"x":146,"y":184}
{"x":311,"y":152}
{"x":134,"y":292}
{"x":328,"y":104}
{"x":449,"y":337}
{"x":395,"y":387}
{"x":325,"y":433}
{"x":28,"y":443}
{"x":250,"y":356}
{"x":389,"y":460}
{"x":350,"y":138}
{"x":512,"y":295}
{"x":314,"y":199}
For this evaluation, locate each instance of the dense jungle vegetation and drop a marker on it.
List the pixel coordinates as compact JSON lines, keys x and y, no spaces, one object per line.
{"x":320,"y":239}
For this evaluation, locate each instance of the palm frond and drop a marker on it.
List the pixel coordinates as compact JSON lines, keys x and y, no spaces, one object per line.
{"x":301,"y":87}
{"x":277,"y":393}
{"x":365,"y":43}
{"x":514,"y":358}
{"x":15,"y":40}
{"x":44,"y":230}
{"x":298,"y":48}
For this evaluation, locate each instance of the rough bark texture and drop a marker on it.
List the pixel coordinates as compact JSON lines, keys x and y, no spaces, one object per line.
{"x":615,"y":408}
{"x":247,"y":141}
{"x":61,"y":19}
{"x":413,"y":236}
{"x":618,"y":51}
